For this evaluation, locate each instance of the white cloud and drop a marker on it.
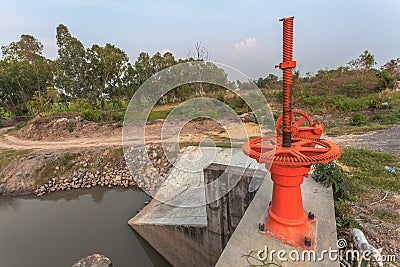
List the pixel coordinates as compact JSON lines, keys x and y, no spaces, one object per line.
{"x":247,"y":44}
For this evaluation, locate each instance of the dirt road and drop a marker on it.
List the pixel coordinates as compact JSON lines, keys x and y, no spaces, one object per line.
{"x":387,"y":140}
{"x":192,"y":132}
{"x":8,"y":141}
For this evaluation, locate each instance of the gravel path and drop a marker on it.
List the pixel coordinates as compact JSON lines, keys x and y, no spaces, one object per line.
{"x":387,"y":140}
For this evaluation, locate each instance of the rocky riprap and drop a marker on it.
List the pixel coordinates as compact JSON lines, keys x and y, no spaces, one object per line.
{"x":88,"y":179}
{"x":149,"y":174}
{"x":95,"y":260}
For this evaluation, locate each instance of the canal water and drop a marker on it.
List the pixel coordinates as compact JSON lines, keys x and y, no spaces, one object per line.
{"x":60,"y":228}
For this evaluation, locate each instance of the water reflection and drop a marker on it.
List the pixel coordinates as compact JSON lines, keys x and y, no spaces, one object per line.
{"x":59,"y":228}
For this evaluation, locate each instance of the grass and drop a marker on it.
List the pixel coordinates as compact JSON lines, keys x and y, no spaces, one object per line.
{"x":368,"y":170}
{"x":9,"y":155}
{"x":332,"y":130}
{"x":59,"y":164}
{"x":158,"y":114}
{"x":67,"y":162}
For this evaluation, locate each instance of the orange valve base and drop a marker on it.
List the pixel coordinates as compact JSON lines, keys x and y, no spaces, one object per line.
{"x":286,"y":219}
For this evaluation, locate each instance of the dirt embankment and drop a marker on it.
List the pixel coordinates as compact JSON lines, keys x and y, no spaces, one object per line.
{"x":47,"y":151}
{"x":23,"y":171}
{"x":68,"y":127}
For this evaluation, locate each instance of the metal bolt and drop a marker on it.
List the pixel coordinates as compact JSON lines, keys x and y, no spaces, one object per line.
{"x":261,"y":227}
{"x":311,"y":216}
{"x":307,"y":241}
{"x":270,"y":203}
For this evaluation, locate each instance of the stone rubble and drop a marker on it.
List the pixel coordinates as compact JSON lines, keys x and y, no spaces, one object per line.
{"x":149,"y":174}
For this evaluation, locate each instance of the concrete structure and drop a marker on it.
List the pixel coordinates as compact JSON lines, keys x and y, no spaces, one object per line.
{"x":246,"y":238}
{"x":223,"y":230}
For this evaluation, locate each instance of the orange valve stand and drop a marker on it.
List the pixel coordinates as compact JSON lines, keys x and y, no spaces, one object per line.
{"x":290,"y":156}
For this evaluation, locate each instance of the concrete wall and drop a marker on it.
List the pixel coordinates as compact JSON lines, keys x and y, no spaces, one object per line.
{"x":224,"y":214}
{"x":191,"y":245}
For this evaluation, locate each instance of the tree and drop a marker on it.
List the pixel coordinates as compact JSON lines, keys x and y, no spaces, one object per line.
{"x":385,"y":80}
{"x":107,"y":67}
{"x":24,"y":72}
{"x":393,"y":68}
{"x":200,"y":53}
{"x":364,"y":62}
{"x":143,"y":69}
{"x":14,"y":88}
{"x":71,"y":66}
{"x":269,"y":82}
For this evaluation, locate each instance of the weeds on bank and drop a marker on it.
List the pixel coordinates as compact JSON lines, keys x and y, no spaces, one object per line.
{"x":366,"y":171}
{"x":68,"y":162}
{"x":10,"y":155}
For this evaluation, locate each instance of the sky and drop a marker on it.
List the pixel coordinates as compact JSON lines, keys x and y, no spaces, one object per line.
{"x":245,"y":34}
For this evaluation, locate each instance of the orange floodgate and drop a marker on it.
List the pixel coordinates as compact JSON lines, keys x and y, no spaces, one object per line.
{"x":290,"y":156}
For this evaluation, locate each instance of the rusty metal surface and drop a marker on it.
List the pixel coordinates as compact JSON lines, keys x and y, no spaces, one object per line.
{"x":312,"y":130}
{"x":290,"y":156}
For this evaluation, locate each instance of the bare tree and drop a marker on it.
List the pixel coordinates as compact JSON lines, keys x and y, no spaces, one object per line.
{"x":199,"y":53}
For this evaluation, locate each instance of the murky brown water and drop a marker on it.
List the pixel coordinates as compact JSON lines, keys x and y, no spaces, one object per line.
{"x":60,"y":228}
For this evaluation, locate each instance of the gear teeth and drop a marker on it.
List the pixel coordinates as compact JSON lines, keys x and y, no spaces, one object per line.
{"x":290,"y":156}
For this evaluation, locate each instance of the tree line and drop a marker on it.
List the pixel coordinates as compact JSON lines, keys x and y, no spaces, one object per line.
{"x":358,"y":77}
{"x":31,"y":83}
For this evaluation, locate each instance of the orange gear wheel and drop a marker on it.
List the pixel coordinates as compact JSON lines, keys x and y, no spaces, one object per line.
{"x":303,"y":152}
{"x":298,"y":128}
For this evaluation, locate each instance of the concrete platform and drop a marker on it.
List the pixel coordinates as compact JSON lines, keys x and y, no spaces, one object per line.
{"x":185,"y":191}
{"x":247,"y":239}
{"x":185,"y":236}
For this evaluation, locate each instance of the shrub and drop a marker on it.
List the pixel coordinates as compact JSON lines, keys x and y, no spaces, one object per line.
{"x":92,"y":115}
{"x":375,"y":103}
{"x":118,"y":116}
{"x":220,"y":97}
{"x":358,"y":119}
{"x":83,"y":104}
{"x":70,"y":127}
{"x":330,"y":174}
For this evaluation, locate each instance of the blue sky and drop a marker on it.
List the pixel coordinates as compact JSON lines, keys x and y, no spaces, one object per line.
{"x":244,"y":34}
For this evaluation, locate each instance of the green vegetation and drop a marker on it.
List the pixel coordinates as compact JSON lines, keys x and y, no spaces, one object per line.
{"x":97,"y":82}
{"x":366,"y":171}
{"x":10,"y":155}
{"x":158,"y":114}
{"x":85,"y":80}
{"x":68,"y":162}
{"x":330,"y":174}
{"x":333,"y":130}
{"x":358,"y":93}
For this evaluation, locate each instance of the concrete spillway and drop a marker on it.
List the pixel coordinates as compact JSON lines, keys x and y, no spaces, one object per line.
{"x":195,"y":230}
